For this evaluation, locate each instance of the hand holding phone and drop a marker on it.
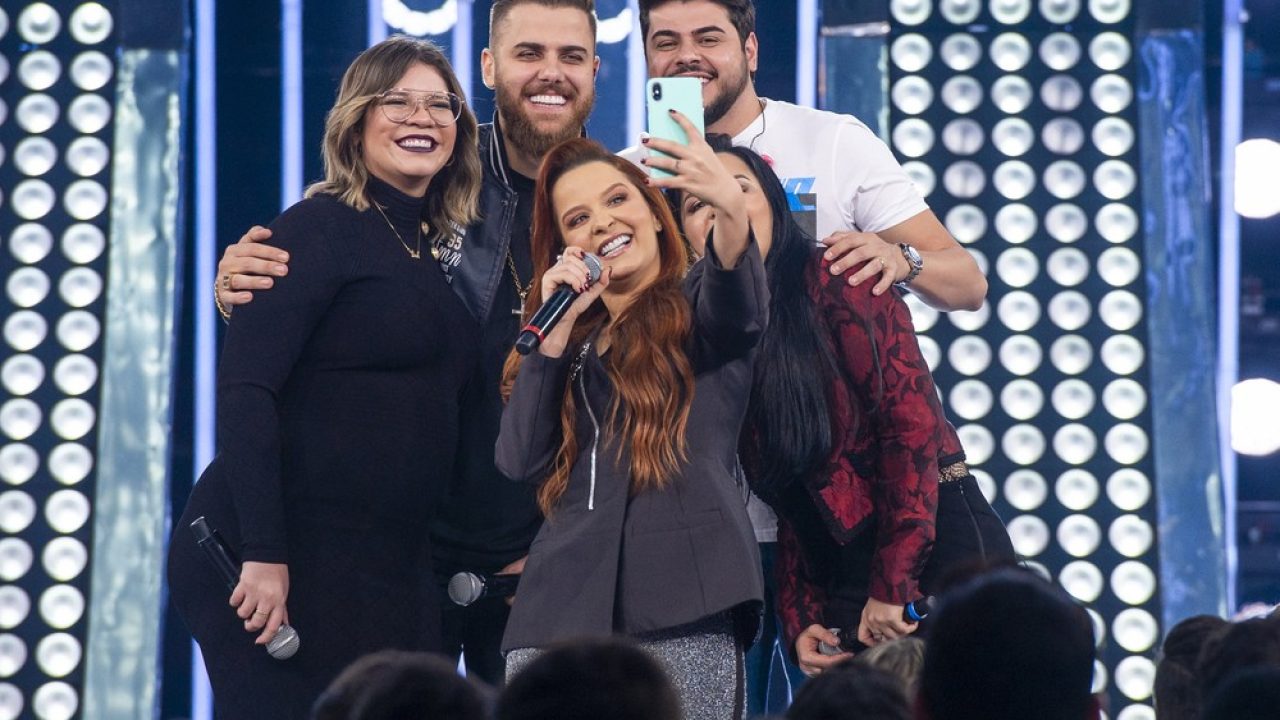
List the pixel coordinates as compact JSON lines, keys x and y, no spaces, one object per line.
{"x":683,"y":94}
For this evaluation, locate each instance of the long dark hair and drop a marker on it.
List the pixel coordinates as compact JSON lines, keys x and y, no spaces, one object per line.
{"x":788,"y":428}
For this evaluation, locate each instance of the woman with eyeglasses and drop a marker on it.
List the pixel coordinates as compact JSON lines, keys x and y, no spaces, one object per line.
{"x":338,"y":401}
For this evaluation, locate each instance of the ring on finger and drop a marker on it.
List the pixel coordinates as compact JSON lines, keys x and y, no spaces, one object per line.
{"x":677,"y":167}
{"x":883,"y":264}
{"x":226,"y":282}
{"x":260,"y":612}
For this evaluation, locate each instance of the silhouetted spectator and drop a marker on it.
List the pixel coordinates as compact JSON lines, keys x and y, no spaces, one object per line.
{"x":851,"y":691}
{"x":1009,"y":646}
{"x":398,"y":685}
{"x":1252,"y":694}
{"x":1177,"y":687}
{"x":590,"y":680}
{"x":1248,"y":644}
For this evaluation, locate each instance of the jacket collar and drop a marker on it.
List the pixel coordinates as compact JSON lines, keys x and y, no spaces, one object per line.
{"x":497,"y":150}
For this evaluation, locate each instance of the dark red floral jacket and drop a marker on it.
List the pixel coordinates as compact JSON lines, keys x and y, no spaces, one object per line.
{"x":884,"y":467}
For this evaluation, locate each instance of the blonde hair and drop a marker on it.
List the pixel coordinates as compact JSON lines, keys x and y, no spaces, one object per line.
{"x":453,"y":202}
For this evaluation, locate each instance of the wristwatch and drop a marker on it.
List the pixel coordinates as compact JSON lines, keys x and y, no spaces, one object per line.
{"x":914,"y":260}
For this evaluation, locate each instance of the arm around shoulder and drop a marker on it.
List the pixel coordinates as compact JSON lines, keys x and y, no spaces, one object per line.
{"x":950,"y":278}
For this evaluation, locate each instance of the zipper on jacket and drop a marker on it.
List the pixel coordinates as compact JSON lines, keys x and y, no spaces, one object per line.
{"x":973,"y":520}
{"x":595,"y":442}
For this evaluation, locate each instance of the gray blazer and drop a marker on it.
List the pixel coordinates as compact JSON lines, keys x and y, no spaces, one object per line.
{"x":607,"y":563}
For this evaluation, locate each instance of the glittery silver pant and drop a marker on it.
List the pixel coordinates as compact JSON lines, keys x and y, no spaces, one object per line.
{"x":702,"y":659}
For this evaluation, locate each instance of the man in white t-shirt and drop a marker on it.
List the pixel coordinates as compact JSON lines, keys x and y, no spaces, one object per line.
{"x":863,"y":204}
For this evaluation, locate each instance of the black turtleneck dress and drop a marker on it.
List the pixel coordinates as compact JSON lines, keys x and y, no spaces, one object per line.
{"x":338,"y":404}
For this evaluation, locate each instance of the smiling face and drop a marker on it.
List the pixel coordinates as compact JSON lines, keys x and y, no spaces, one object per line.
{"x":543,"y":67}
{"x":697,"y":218}
{"x":598,"y":209}
{"x":698,"y":39}
{"x":407,"y":155}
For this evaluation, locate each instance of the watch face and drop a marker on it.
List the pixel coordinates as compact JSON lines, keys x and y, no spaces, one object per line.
{"x":913,"y":255}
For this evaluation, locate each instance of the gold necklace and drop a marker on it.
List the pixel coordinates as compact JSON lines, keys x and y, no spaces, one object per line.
{"x":415,"y":254}
{"x":522,"y":291}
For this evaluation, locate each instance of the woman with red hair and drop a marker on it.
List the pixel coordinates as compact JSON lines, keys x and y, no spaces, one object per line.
{"x":627,"y":416}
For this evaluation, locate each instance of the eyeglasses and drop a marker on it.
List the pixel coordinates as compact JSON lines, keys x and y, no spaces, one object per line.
{"x":398,"y":105}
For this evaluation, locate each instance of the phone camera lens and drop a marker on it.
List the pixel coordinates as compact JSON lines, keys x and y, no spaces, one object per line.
{"x":657,"y":91}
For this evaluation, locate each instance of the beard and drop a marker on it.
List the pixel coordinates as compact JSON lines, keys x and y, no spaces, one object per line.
{"x":732,"y":88}
{"x":524,"y":134}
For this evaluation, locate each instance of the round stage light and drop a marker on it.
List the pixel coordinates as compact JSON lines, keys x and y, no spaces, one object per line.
{"x":1082,"y":580}
{"x":87,"y":156}
{"x":1029,"y":534}
{"x":35,"y":156}
{"x":1023,"y":444}
{"x":21,"y":374}
{"x":1135,"y":630}
{"x":1111,"y":93}
{"x":1022,"y":399}
{"x":1131,"y":536}
{"x":1122,"y":354}
{"x":1099,"y":679}
{"x":967,"y":223}
{"x":1120,"y":310}
{"x":67,"y":511}
{"x":83,"y":243}
{"x":4,"y":22}
{"x":1011,"y":94}
{"x":1125,"y":399}
{"x":1109,"y":11}
{"x":24,"y":330}
{"x":1075,"y":443}
{"x":1026,"y":490}
{"x":986,"y":485}
{"x":970,"y":320}
{"x":1255,"y":178}
{"x":931,"y":352}
{"x":1061,"y":93}
{"x":1063,"y":136}
{"x":1019,"y":311}
{"x":91,"y":70}
{"x":1115,"y":179}
{"x":921,"y":176}
{"x":1110,"y":51}
{"x":969,"y":355}
{"x":15,"y":558}
{"x":13,"y":655}
{"x":1076,"y":489}
{"x":1113,"y":136}
{"x":960,"y":12}
{"x":912,"y":95}
{"x":18,"y":463}
{"x":1099,"y":627}
{"x":20,"y":418}
{"x":1116,"y":222}
{"x":1066,"y":223}
{"x":1126,"y":443}
{"x":1013,"y":136}
{"x":961,"y":52}
{"x":55,"y":701}
{"x":1064,"y":179}
{"x":89,"y":113}
{"x":58,"y":654}
{"x":1071,"y":354}
{"x":979,"y":259}
{"x":1133,"y":582}
{"x":1016,"y":223}
{"x":78,"y":330}
{"x":30,"y":243}
{"x":962,"y":136}
{"x":91,"y":23}
{"x":1020,"y":354}
{"x":1079,"y":535}
{"x":910,"y":12}
{"x":72,"y":419}
{"x":1069,"y":310}
{"x":75,"y":374}
{"x":1060,"y":51}
{"x":14,"y":606}
{"x":964,"y":179}
{"x":69,"y":463}
{"x":1254,"y":431}
{"x":977,"y":442}
{"x":39,"y":23}
{"x":962,"y":94}
{"x":36,"y":113}
{"x":1059,"y":11}
{"x":39,"y":70}
{"x":1010,"y":12}
{"x":1118,"y":266}
{"x":17,"y":510}
{"x":911,"y":52}
{"x":1010,"y":51}
{"x":85,"y":199}
{"x":64,"y":558}
{"x":32,"y":199}
{"x":971,"y":399}
{"x":1014,"y":179}
{"x":1135,"y":677}
{"x":1068,"y":266}
{"x":923,"y":317}
{"x":80,"y":287}
{"x":913,"y":137}
{"x":61,"y":606}
{"x":1037,"y":568}
{"x":1073,"y":399}
{"x":1017,"y":267}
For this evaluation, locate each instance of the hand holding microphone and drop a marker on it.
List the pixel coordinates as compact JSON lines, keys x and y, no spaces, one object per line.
{"x":568,"y":288}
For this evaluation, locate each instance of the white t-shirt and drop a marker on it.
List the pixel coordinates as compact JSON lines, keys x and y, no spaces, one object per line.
{"x":834,"y":169}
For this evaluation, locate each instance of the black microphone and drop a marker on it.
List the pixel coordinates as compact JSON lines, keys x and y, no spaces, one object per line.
{"x":918,"y":609}
{"x":467,"y":587}
{"x":553,"y":309}
{"x":285,"y":643}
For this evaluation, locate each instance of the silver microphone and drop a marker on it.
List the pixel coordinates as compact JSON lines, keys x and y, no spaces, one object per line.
{"x":285,"y":643}
{"x":467,"y":587}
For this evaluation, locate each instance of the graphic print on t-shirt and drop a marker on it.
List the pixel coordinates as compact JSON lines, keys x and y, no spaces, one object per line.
{"x":804,"y":203}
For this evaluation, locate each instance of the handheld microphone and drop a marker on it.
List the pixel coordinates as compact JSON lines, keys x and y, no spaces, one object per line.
{"x":467,"y":587}
{"x":918,"y":609}
{"x":545,"y":319}
{"x":285,"y":643}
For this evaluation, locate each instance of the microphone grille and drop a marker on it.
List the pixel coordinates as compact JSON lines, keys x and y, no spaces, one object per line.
{"x":594,"y":267}
{"x":464,"y":587}
{"x":285,"y":644}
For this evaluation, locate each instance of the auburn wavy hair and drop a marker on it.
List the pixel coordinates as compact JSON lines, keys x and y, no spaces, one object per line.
{"x":647,"y":360}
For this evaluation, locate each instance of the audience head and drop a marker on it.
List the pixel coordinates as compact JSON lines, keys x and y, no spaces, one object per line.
{"x":851,"y":691}
{"x":1177,"y":687}
{"x":1009,"y":646}
{"x":588,"y":680}
{"x":903,"y":659}
{"x":1252,"y":694}
{"x":1244,"y":645}
{"x":398,"y":685}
